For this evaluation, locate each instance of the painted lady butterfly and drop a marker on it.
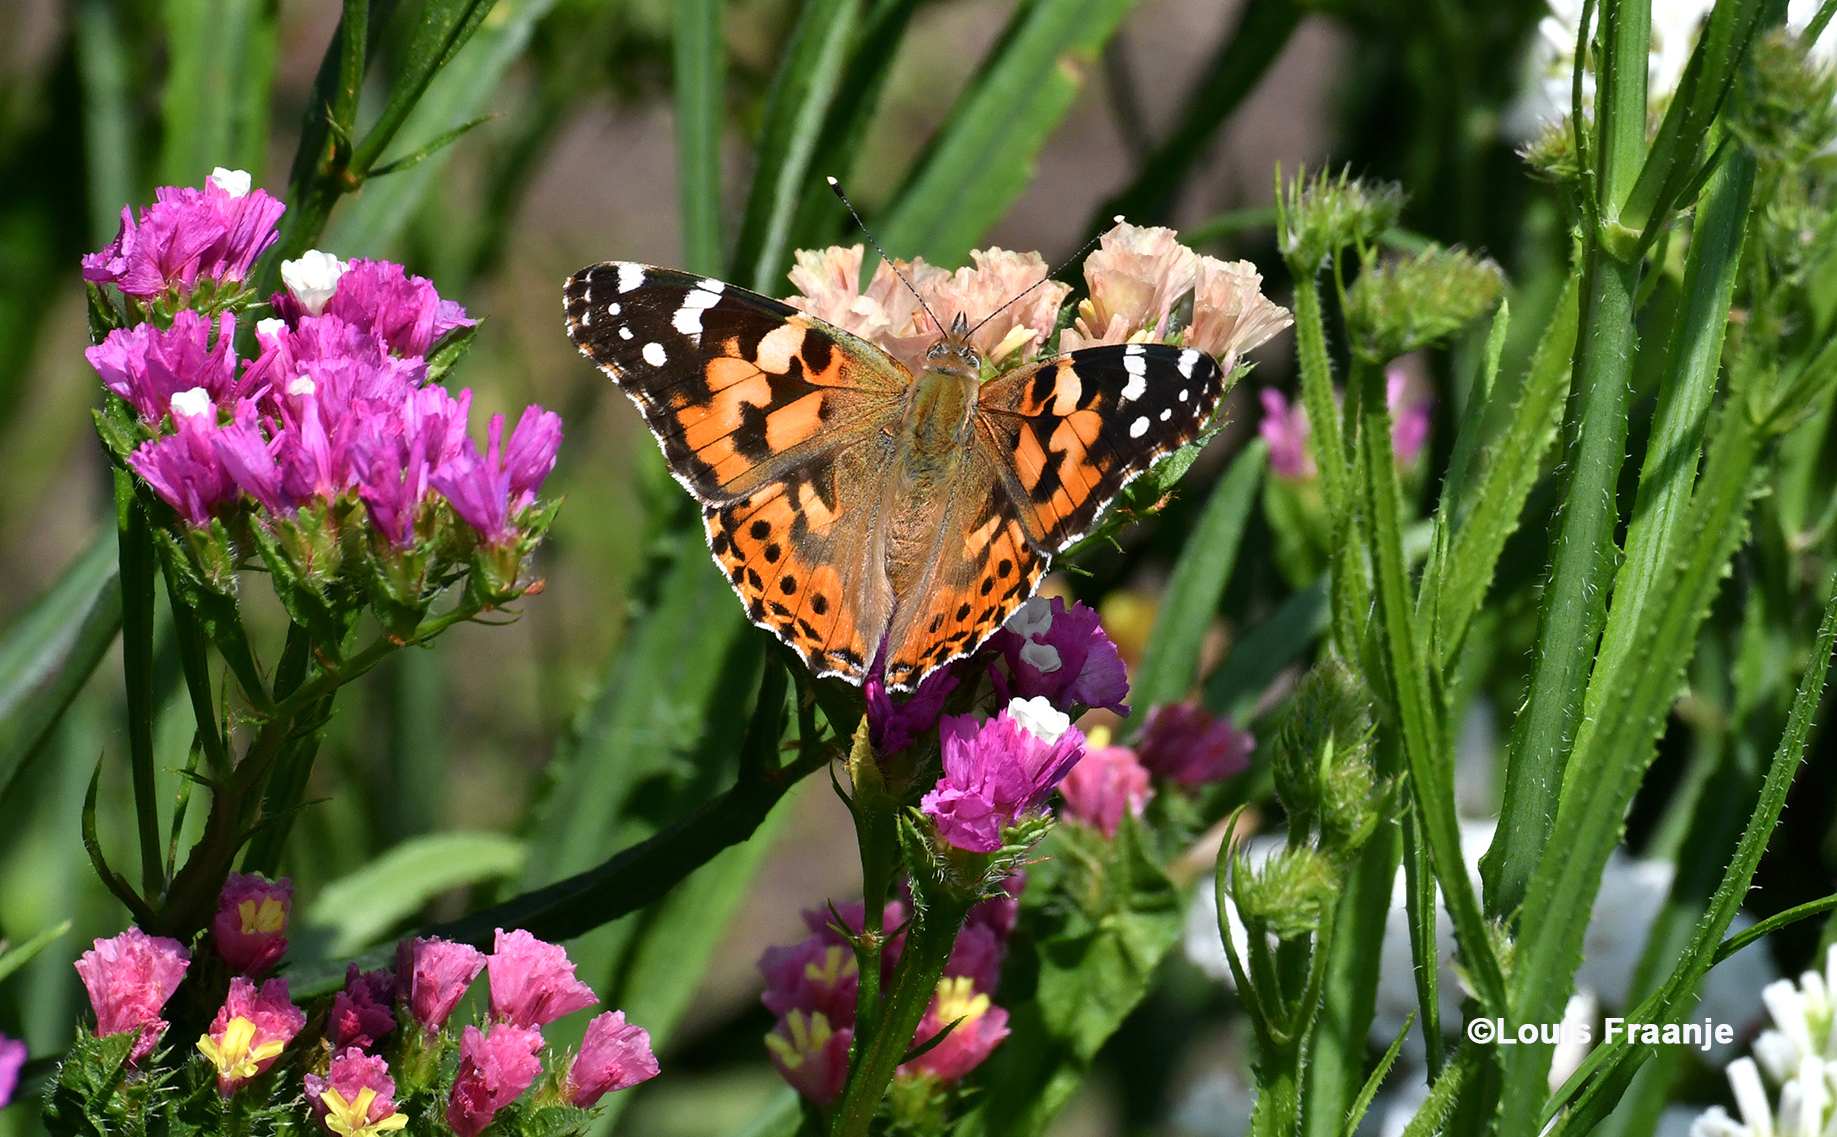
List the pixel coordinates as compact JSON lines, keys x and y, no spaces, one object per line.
{"x":861,"y":512}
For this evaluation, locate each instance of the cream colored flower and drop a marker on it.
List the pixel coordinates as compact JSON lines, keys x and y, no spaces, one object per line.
{"x":1135,"y":276}
{"x":1230,"y":313}
{"x":1001,"y":276}
{"x":886,"y":315}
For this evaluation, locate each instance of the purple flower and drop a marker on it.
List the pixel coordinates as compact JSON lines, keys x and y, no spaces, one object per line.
{"x":249,"y":459}
{"x":981,"y":1025}
{"x":1062,"y":655}
{"x":1286,"y":430}
{"x":811,"y":1055}
{"x":489,"y":492}
{"x":187,"y":235}
{"x":360,"y":1013}
{"x":147,"y":366}
{"x":251,"y":1029}
{"x":396,"y":456}
{"x":356,"y":1098}
{"x":891,"y":726}
{"x":432,"y":976}
{"x":811,"y":975}
{"x":184,"y":469}
{"x":494,"y":1070}
{"x":12,"y":1059}
{"x":532,"y":982}
{"x":404,"y":311}
{"x":1182,"y":742}
{"x":615,"y":1055}
{"x":1106,"y":784}
{"x":129,"y":979}
{"x":251,"y":924}
{"x":998,"y":773}
{"x":1409,"y":420}
{"x":977,"y":956}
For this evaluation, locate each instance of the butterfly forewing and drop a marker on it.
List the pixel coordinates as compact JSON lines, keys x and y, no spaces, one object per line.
{"x":739,"y":389}
{"x":1070,"y":433}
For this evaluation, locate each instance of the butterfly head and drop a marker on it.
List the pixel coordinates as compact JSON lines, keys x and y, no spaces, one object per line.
{"x":954,"y":352}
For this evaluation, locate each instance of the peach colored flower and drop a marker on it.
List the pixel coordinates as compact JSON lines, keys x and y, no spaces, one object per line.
{"x":1230,"y":313}
{"x":1001,"y":276}
{"x":886,"y":315}
{"x":1135,"y":276}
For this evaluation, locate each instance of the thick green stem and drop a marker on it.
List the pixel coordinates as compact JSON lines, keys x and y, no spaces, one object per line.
{"x":1317,"y":391}
{"x":921,"y":963}
{"x":877,"y":832}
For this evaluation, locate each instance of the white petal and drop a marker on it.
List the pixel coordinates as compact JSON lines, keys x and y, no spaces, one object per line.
{"x":270,"y":327}
{"x":1031,"y":619}
{"x":313,"y":279}
{"x":236,"y":183}
{"x":1751,"y":1096}
{"x":1044,"y":657}
{"x":1039,"y":718}
{"x":187,"y":404}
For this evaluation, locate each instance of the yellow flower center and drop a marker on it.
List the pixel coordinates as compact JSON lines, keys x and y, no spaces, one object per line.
{"x":959,"y":999}
{"x":269,"y":916}
{"x":235,"y":1056}
{"x":836,"y":964}
{"x":352,"y":1118}
{"x":809,"y":1035}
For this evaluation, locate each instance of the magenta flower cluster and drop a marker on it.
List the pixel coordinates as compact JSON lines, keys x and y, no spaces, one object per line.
{"x":1286,"y":427}
{"x":337,"y":404}
{"x":811,"y":987}
{"x":999,"y":771}
{"x":351,"y":1089}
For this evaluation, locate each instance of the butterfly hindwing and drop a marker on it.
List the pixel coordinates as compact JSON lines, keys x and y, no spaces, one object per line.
{"x":1070,"y":433}
{"x":739,"y":389}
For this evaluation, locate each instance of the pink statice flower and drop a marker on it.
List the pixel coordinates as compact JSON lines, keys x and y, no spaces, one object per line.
{"x":1410,"y":416}
{"x":13,"y":1056}
{"x":129,"y":979}
{"x":1060,"y":654}
{"x":1001,"y":331}
{"x":494,"y":1070}
{"x":1106,"y":784}
{"x":147,"y":365}
{"x":811,"y":1054}
{"x":489,"y":491}
{"x":250,"y":930}
{"x":360,"y":1013}
{"x":977,"y":956}
{"x":615,"y":1055}
{"x":356,"y":1097}
{"x":980,"y":1028}
{"x":187,"y":236}
{"x":184,"y":468}
{"x":1136,"y":276}
{"x":1000,"y":771}
{"x":432,"y":976}
{"x":1286,"y":430}
{"x":810,"y":975}
{"x":379,"y":297}
{"x":398,"y":454}
{"x":1181,"y":741}
{"x":891,"y":727}
{"x":1230,"y":313}
{"x":251,"y":1029}
{"x":532,"y":982}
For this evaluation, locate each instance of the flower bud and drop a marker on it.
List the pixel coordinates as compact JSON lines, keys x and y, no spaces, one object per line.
{"x":1399,"y":305}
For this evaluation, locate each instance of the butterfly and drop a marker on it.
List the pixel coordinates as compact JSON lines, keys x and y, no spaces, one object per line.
{"x":881,"y":524}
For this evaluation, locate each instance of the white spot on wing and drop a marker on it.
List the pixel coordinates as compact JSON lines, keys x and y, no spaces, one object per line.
{"x":1167,"y":414}
{"x":1133,"y":389}
{"x":688,"y":318}
{"x":630,"y":277}
{"x":613,"y":308}
{"x":653,"y":354}
{"x":1184,"y":393}
{"x":1139,"y":427}
{"x":1188,"y":359}
{"x":624,"y":333}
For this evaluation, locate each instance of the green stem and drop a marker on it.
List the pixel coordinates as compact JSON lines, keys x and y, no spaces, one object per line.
{"x":136,"y":551}
{"x":877,"y":833}
{"x":1317,"y":390}
{"x":932,"y":934}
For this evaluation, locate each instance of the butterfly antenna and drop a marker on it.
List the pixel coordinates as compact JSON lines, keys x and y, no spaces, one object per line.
{"x":850,"y":206}
{"x":1065,"y":264}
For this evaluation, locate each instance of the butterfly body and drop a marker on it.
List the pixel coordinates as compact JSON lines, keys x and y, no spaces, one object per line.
{"x":862,"y":513}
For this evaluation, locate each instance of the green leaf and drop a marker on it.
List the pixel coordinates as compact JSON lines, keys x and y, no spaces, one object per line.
{"x":355,"y":911}
{"x":985,"y":154}
{"x":1363,"y":1102}
{"x":809,"y":75}
{"x":109,"y":133}
{"x":443,"y":30}
{"x":50,"y":651}
{"x":454,"y":95}
{"x":1170,"y":664}
{"x":14,"y":958}
{"x":434,"y":146}
{"x":219,"y":75}
{"x":701,"y":105}
{"x":1265,"y":649}
{"x":137,"y":571}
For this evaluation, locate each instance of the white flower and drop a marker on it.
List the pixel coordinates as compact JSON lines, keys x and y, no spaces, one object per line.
{"x":1794,"y":1056}
{"x":236,"y":183}
{"x":1040,"y":718}
{"x":1033,"y":618}
{"x":302,"y":386}
{"x":189,"y":404}
{"x":312,"y":279}
{"x":270,"y":327}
